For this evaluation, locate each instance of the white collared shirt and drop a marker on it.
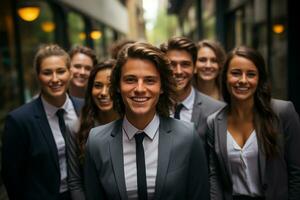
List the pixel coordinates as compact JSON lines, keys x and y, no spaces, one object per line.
{"x":187,"y":109}
{"x":71,"y":120}
{"x":150,"y":144}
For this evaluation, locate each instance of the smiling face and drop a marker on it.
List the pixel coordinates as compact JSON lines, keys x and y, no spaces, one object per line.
{"x":207,"y":67}
{"x":182,"y":67}
{"x":54,"y":77}
{"x":140,"y":88}
{"x":100,"y":90}
{"x":81,"y":66}
{"x":242,"y":79}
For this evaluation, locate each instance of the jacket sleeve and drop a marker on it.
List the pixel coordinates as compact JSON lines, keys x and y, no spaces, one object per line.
{"x":14,"y":158}
{"x":75,"y":168}
{"x":92,"y":184}
{"x":291,"y":128}
{"x":215,"y":189}
{"x":198,"y":171}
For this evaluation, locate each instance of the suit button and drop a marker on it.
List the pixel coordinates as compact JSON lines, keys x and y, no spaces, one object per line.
{"x":265,"y":186}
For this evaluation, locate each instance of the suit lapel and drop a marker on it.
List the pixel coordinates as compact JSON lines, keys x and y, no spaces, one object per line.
{"x":196,"y":110}
{"x":222,"y":140}
{"x":45,"y":129}
{"x":116,"y":153}
{"x":164,"y":152}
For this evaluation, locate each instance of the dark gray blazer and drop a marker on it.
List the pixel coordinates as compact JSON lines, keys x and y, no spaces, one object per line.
{"x":182,"y":168}
{"x":203,"y":106}
{"x":280,"y":176}
{"x":30,"y":163}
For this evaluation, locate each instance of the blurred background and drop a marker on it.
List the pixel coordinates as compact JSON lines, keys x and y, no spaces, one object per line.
{"x":267,"y":25}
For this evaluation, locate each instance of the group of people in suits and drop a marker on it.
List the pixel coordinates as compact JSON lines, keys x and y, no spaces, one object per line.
{"x":134,"y":138}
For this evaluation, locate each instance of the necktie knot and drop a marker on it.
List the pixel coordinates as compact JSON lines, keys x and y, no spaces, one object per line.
{"x":177,"y":111}
{"x":139,"y":137}
{"x":60,"y":113}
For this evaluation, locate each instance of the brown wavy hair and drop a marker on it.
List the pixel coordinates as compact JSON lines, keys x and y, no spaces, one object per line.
{"x":153,"y":54}
{"x":264,"y":116}
{"x":90,"y":111}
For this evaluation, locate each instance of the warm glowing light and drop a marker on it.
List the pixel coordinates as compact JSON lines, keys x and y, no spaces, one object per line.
{"x":48,"y":26}
{"x":278,"y":28}
{"x":96,"y":34}
{"x":82,"y":36}
{"x":29,"y":13}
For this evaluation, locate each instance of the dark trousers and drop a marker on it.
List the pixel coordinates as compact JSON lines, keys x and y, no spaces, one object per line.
{"x":243,"y":197}
{"x":65,"y":196}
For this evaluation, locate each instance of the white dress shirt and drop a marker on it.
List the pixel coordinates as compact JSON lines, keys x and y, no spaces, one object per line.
{"x":150,"y":144}
{"x":70,"y":118}
{"x":187,"y":109}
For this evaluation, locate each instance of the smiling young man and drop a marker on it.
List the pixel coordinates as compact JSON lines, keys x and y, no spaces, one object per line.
{"x":83,"y":59}
{"x":34,"y":162}
{"x":146,"y":154}
{"x":194,"y":105}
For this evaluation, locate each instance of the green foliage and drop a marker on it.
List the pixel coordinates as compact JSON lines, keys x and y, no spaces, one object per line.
{"x":165,"y":26}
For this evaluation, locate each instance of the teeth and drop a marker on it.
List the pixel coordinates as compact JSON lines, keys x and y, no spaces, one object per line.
{"x":139,"y":99}
{"x":242,"y":88}
{"x":104,"y":100}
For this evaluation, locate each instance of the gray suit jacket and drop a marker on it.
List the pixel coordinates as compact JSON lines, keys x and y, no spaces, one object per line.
{"x":203,"y":107}
{"x":182,"y":167}
{"x":280,"y":176}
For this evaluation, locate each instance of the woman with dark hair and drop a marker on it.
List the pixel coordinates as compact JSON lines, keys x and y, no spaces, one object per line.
{"x":97,"y":110}
{"x":145,"y":154}
{"x":210,"y":60}
{"x":253,"y":140}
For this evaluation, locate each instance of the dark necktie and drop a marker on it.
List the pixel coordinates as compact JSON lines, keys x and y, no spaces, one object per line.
{"x":60,"y":114}
{"x":140,"y":165}
{"x":177,"y":111}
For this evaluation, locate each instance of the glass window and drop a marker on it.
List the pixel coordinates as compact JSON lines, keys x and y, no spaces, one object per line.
{"x":32,"y":35}
{"x":76,"y":32}
{"x":96,"y":35}
{"x":209,"y":18}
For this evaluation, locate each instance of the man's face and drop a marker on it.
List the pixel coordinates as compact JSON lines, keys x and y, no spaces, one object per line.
{"x":81,"y":66}
{"x":140,"y":88}
{"x":182,"y":66}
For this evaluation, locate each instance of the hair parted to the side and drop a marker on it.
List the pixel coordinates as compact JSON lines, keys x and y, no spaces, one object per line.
{"x":145,"y":51}
{"x":48,"y":50}
{"x":84,"y":50}
{"x":264,"y":117}
{"x":90,"y":111}
{"x":220,"y":53}
{"x":181,"y":43}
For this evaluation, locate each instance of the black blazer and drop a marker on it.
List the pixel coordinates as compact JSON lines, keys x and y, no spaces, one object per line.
{"x":181,"y":166}
{"x":280,"y":176}
{"x":30,"y":166}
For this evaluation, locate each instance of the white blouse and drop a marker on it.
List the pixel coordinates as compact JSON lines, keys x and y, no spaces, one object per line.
{"x":244,"y":166}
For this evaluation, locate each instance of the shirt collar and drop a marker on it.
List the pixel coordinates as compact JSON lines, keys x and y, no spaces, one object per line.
{"x":150,"y":130}
{"x":188,"y":102}
{"x":51,"y":110}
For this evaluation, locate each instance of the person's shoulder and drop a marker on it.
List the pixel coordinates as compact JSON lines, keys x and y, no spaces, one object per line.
{"x":207,"y":100}
{"x":103,"y":132}
{"x":25,"y":110}
{"x":219,"y":114}
{"x":77,"y":100}
{"x":282,"y":107}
